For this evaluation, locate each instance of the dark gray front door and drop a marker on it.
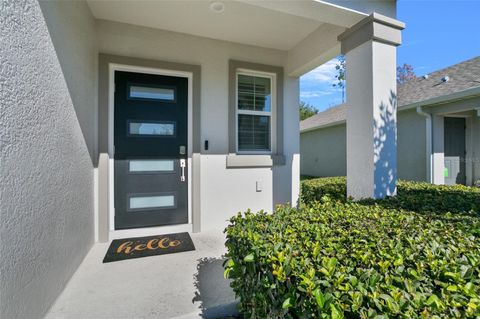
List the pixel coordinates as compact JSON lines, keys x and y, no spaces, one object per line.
{"x":150,"y":138}
{"x":454,"y":137}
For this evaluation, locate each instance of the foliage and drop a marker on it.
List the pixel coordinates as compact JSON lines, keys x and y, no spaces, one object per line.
{"x":343,"y":259}
{"x":306,"y":110}
{"x":306,"y":177}
{"x":340,"y":67}
{"x":314,"y":189}
{"x":415,"y":196}
{"x":405,"y":73}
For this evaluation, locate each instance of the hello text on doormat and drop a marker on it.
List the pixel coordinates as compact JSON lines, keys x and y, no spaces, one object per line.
{"x":128,"y":248}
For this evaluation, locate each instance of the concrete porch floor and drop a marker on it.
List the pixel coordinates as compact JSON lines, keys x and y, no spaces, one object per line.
{"x":181,"y":285}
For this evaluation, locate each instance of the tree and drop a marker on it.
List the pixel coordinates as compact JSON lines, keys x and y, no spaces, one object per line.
{"x":405,"y":73}
{"x":340,"y":76}
{"x":306,"y":110}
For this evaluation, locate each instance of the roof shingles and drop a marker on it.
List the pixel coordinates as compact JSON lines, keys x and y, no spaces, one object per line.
{"x":461,"y":77}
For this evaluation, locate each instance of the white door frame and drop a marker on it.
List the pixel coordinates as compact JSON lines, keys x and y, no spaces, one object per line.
{"x":147,"y":231}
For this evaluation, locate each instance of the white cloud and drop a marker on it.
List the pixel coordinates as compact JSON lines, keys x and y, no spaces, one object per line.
{"x":319,"y":93}
{"x":324,"y":73}
{"x":316,"y":87}
{"x":322,"y":90}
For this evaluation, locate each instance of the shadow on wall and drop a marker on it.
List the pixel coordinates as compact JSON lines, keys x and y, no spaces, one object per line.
{"x":216,"y":297}
{"x":74,"y":43}
{"x":385,"y":157}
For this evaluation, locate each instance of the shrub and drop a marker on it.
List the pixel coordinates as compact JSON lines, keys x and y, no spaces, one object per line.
{"x":315,"y":189}
{"x":416,"y":196}
{"x":435,"y":198}
{"x":342,"y":259}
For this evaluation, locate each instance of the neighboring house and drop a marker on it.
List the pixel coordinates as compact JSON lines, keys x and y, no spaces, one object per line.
{"x":438,"y":130}
{"x":130,"y":118}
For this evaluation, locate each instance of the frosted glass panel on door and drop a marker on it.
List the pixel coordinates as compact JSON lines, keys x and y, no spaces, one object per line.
{"x":152,"y":93}
{"x":151,"y":165}
{"x":148,"y":202}
{"x":145,"y":128}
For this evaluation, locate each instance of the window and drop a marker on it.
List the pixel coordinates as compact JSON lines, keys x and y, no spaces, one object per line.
{"x":151,"y":202}
{"x":149,"y":166}
{"x":151,"y":93}
{"x":254,"y":112}
{"x":151,"y":128}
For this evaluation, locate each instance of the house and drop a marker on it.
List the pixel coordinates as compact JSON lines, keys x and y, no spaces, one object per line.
{"x":438,"y":130}
{"x":133,"y":118}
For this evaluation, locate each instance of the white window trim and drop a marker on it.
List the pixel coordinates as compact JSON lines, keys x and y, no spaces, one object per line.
{"x":272,"y":113}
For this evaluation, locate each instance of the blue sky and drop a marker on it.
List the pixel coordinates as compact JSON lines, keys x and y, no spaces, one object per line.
{"x":438,"y":34}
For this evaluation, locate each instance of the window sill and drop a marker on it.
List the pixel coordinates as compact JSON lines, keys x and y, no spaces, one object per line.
{"x":235,"y":161}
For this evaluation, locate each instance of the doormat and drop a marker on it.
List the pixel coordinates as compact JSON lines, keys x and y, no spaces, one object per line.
{"x":128,"y":248}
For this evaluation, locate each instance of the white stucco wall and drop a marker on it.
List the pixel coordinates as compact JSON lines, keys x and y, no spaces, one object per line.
{"x":223,"y":192}
{"x":46,"y":173}
{"x":323,"y":151}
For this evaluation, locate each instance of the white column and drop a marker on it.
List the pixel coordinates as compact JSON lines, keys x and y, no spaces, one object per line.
{"x":438,"y":152}
{"x":370,"y":49}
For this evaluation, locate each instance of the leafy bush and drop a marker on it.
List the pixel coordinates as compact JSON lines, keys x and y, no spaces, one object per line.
{"x":315,"y":189}
{"x":342,"y":259}
{"x":416,"y":196}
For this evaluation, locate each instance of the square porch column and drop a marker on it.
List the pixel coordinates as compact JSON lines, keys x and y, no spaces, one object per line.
{"x":370,"y":52}
{"x":438,"y":151}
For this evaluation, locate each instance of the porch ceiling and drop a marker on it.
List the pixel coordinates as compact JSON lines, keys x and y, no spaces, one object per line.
{"x":271,"y":24}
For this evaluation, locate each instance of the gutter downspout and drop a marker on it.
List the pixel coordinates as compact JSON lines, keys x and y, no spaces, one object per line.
{"x":429,"y":150}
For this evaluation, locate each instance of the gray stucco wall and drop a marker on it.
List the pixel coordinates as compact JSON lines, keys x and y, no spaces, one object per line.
{"x":46,"y":172}
{"x":323,"y":151}
{"x":72,"y":30}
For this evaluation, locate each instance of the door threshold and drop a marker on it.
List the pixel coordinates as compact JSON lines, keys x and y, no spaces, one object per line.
{"x":149,"y":231}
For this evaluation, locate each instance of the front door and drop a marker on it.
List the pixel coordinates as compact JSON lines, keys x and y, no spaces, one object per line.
{"x":454,"y":137}
{"x":150,"y":150}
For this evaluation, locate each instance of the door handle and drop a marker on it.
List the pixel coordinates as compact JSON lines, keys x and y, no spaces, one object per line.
{"x":182,"y":167}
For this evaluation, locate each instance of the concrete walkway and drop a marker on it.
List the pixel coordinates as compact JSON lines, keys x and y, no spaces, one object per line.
{"x":181,"y":285}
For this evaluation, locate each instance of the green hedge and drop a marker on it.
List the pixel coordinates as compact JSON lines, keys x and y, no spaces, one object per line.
{"x":340,"y":259}
{"x":314,"y":189}
{"x":415,"y":196}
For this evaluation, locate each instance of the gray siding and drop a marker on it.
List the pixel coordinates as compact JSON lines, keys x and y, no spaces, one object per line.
{"x":411,"y":148}
{"x":476,"y":148}
{"x":46,"y":178}
{"x":323,"y":151}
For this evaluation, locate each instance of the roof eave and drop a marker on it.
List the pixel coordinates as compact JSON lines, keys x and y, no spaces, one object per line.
{"x":461,"y":95}
{"x":314,"y":128}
